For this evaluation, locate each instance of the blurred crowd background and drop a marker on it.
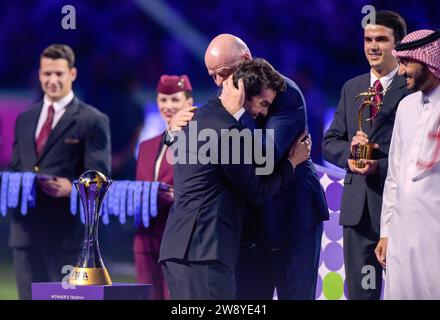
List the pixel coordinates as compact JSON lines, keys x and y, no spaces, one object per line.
{"x":122,"y":47}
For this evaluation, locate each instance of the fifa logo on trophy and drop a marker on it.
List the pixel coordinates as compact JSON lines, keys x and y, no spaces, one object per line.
{"x":364,"y":152}
{"x":90,"y":270}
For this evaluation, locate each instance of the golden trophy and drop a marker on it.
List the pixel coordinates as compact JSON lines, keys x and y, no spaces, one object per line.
{"x":364,"y":152}
{"x":90,"y":270}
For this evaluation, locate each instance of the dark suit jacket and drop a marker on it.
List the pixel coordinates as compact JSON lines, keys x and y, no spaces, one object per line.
{"x":147,"y":240}
{"x":300,"y":204}
{"x":80,"y":141}
{"x":206,"y":218}
{"x":359,"y":189}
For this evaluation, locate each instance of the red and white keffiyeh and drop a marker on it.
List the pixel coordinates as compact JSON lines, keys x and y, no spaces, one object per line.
{"x":429,"y":150}
{"x":429,"y":53}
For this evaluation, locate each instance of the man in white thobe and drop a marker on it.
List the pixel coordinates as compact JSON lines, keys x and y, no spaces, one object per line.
{"x":409,"y":248}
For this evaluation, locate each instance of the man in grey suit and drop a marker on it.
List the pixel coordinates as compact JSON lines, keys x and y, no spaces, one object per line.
{"x":58,"y":138}
{"x":363,"y":187}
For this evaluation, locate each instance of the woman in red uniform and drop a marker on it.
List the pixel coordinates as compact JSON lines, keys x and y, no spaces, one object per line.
{"x":174,"y":93}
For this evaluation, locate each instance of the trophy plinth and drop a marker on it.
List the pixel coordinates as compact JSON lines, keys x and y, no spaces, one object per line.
{"x":362,"y":152}
{"x":90,"y":276}
{"x":90,"y":270}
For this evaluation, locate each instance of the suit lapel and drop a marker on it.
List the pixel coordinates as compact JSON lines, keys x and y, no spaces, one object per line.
{"x":66,"y":121}
{"x":29,"y":131}
{"x":390,"y":102}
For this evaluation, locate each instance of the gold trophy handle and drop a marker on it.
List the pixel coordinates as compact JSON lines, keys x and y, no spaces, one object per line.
{"x":364,"y":151}
{"x":361,"y":109}
{"x":367,"y":101}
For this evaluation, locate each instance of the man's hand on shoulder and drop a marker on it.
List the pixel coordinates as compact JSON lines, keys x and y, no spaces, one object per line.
{"x":181,"y":119}
{"x":300,"y":149}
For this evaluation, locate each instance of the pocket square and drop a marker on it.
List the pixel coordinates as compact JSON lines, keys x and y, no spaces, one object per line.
{"x":71,"y":140}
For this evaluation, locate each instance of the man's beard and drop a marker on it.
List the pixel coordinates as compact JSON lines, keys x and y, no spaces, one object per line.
{"x":260,"y":120}
{"x":420,"y":79}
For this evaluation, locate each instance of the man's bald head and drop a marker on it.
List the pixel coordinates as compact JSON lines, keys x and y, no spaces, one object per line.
{"x":223,"y":55}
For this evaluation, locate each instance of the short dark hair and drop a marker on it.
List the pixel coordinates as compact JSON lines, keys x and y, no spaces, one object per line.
{"x":392,"y":20}
{"x":60,"y":51}
{"x":258,"y":74}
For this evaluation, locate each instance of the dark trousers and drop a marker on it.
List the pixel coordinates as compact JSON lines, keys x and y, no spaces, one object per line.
{"x":362,"y":270}
{"x":208,"y":280}
{"x":149,"y":271}
{"x":35,"y":265}
{"x":292,"y":270}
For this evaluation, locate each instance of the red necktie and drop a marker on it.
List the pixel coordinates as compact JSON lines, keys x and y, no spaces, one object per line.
{"x":45,"y":131}
{"x":377,"y":99}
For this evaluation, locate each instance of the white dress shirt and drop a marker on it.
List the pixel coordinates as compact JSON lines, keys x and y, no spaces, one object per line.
{"x":385,"y":80}
{"x":239,"y":113}
{"x":59,"y":108}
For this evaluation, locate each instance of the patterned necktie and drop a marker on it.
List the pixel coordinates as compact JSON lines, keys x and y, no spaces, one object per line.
{"x":377,"y":99}
{"x":45,"y":131}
